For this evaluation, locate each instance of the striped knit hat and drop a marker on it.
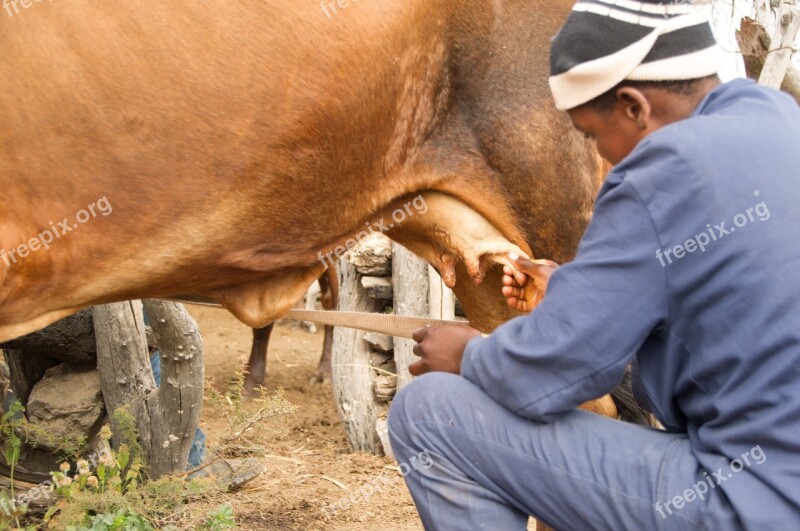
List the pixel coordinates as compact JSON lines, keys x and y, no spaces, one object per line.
{"x":604,"y":42}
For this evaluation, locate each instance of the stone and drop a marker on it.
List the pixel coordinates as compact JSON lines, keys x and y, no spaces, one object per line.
{"x":379,"y":359}
{"x":68,"y":340}
{"x":379,"y":288}
{"x":372,"y":256}
{"x":384,"y":386}
{"x":67,"y":402}
{"x":380,"y":342}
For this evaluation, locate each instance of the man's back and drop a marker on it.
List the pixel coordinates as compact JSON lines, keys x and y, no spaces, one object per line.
{"x":725,"y":364}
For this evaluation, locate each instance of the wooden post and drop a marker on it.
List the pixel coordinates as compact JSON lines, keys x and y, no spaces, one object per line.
{"x":364,"y":365}
{"x":166,"y":418}
{"x":180,"y":397}
{"x":411,"y":287}
{"x":418,"y":291}
{"x":755,"y":43}
{"x":780,"y":53}
{"x":441,"y":299}
{"x":352,"y":373}
{"x":763,"y":12}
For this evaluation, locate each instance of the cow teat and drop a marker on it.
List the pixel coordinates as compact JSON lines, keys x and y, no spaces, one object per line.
{"x":465,"y":247}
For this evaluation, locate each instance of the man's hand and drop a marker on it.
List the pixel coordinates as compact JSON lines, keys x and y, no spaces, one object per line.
{"x":524,"y":286}
{"x":441,"y":348}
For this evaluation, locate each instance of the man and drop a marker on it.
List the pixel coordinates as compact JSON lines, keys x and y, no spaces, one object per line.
{"x":688,"y":271}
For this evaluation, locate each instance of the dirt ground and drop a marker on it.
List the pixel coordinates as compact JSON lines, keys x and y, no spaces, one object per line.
{"x":303,"y":465}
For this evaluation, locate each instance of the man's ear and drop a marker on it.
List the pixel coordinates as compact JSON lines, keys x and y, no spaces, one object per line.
{"x":635,"y":106}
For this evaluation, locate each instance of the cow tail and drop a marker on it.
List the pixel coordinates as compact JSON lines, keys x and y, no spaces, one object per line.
{"x":629,"y":409}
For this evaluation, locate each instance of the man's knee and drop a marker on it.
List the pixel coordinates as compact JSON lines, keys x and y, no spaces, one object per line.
{"x":424,"y":399}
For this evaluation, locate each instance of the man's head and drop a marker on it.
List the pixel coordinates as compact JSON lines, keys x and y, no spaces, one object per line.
{"x":624,"y":71}
{"x":620,"y":118}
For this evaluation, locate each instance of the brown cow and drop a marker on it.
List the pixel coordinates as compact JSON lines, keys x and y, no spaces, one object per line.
{"x":233,"y":143}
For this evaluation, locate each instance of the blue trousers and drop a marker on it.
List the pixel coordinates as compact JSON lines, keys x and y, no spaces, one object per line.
{"x":490,"y":469}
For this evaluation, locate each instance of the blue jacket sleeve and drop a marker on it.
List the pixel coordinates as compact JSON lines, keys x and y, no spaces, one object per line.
{"x":599,"y":309}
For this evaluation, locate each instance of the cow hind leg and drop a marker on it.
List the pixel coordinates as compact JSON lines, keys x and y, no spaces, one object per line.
{"x":329,"y":286}
{"x":256,"y":368}
{"x":324,"y":372}
{"x":311,"y":304}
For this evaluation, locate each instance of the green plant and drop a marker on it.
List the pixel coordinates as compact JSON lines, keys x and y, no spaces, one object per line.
{"x":12,"y":421}
{"x":115,"y":475}
{"x":68,"y":447}
{"x":219,"y":519}
{"x":16,"y":433}
{"x":12,"y":424}
{"x":115,"y":496}
{"x":111,"y":493}
{"x":119,"y":520}
{"x":125,"y":424}
{"x":11,"y":511}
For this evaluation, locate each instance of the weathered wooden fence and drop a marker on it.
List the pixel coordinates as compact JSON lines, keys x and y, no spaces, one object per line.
{"x":166,"y":417}
{"x":115,"y":340}
{"x":368,"y":368}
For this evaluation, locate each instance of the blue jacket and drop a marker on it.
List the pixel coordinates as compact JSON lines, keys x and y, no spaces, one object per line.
{"x":690,"y":269}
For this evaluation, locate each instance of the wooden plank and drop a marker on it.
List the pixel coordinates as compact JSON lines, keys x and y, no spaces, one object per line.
{"x":352,"y":374}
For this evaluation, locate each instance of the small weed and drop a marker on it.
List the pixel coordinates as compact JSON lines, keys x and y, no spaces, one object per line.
{"x":115,"y":496}
{"x":112,"y":491}
{"x":220,"y":519}
{"x":120,"y":519}
{"x":12,"y":431}
{"x":250,"y":425}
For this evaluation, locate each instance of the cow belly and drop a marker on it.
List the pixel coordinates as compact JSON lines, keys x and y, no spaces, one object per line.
{"x":462,"y":244}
